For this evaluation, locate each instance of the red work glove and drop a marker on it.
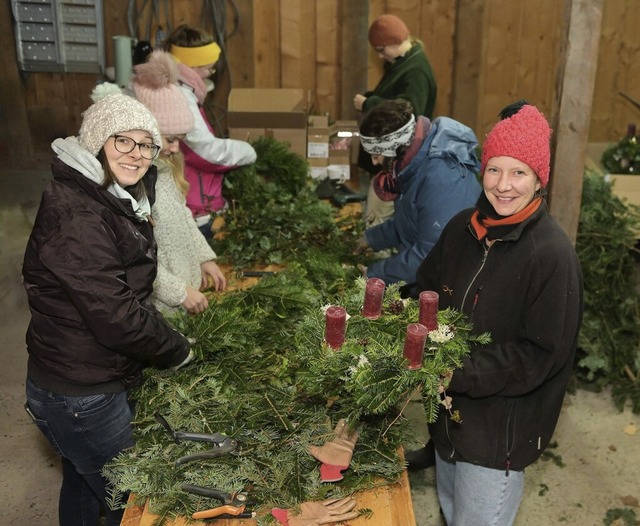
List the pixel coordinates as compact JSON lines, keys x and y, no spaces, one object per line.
{"x":335,"y":455}
{"x":318,"y":513}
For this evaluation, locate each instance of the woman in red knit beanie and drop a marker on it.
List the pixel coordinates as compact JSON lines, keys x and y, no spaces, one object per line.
{"x":513,"y":271}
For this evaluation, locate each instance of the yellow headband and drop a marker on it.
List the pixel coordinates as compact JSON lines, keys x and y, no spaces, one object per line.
{"x":197,"y":56}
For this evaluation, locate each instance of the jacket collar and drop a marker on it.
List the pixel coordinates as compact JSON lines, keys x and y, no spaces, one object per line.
{"x":516,"y":233}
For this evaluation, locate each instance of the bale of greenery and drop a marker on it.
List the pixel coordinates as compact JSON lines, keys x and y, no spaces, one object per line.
{"x":609,"y":341}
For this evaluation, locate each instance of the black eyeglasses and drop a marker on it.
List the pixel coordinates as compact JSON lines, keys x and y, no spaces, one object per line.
{"x":125,"y":144}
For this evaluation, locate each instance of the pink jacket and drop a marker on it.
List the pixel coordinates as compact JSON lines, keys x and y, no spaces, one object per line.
{"x":207,"y":157}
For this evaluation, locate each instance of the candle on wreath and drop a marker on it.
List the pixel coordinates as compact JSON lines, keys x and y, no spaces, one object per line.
{"x":335,"y":326}
{"x":414,"y":345}
{"x":429,"y":309}
{"x":373,"y":295}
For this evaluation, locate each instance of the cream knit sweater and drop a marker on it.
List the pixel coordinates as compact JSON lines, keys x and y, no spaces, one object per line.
{"x":181,"y":246}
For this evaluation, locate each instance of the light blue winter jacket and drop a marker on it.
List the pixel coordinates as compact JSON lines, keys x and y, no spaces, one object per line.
{"x":438,"y":182}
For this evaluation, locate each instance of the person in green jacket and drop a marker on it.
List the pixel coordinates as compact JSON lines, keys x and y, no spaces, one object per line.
{"x":407,"y":75}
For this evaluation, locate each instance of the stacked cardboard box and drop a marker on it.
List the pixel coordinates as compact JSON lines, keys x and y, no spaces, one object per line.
{"x":331,"y":148}
{"x":277,"y":113}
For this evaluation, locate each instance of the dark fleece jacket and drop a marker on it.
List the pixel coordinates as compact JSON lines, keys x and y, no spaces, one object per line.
{"x":526,"y":290}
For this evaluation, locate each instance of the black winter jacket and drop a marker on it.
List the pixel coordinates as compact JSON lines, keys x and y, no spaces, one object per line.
{"x":526,"y":290}
{"x":88,"y":270}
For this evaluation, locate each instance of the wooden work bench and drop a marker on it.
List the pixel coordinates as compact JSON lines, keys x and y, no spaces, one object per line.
{"x":391,"y":506}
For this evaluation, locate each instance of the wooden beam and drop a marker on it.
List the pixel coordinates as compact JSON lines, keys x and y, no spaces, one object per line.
{"x":354,"y":18}
{"x":15,"y":138}
{"x":574,"y":97}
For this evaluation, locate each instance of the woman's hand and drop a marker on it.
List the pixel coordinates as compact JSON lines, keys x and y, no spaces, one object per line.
{"x":209,"y":269}
{"x":358,"y":101}
{"x":195,"y":302}
{"x":362,"y":245}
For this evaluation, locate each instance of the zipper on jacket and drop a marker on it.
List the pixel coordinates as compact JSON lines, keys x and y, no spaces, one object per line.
{"x":473,"y":307}
{"x":453,"y":447}
{"x":475,"y":300}
{"x":473,"y":279}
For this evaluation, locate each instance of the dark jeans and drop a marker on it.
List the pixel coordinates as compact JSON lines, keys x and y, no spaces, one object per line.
{"x":87,"y":432}
{"x":206,"y":230}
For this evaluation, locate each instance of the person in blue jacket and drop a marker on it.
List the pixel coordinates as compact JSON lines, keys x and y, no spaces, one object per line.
{"x":430,"y":170}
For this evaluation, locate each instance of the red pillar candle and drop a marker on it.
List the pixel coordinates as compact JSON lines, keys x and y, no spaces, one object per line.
{"x":429,"y":309}
{"x":373,"y":295}
{"x":414,"y":345}
{"x":336,"y":326}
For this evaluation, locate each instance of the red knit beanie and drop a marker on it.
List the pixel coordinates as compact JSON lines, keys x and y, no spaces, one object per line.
{"x":524,"y":136}
{"x":387,"y":30}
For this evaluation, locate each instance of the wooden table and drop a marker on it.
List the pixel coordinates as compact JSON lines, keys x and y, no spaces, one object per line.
{"x":391,"y":506}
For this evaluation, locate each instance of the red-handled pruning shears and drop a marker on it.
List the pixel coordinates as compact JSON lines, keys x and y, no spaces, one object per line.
{"x":233,"y":504}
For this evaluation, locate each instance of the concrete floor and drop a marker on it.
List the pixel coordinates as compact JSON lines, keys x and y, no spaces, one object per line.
{"x":598,"y":444}
{"x":29,"y":470}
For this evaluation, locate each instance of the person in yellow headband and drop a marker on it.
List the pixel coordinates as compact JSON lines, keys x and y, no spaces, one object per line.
{"x":207,"y":157}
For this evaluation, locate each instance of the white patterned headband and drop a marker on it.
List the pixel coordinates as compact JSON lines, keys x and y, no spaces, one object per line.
{"x":387,"y":145}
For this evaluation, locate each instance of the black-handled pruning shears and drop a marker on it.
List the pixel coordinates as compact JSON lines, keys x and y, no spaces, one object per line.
{"x":222,"y":444}
{"x":233,"y":504}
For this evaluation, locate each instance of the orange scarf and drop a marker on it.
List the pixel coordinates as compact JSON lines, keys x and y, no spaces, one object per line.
{"x":483,"y":225}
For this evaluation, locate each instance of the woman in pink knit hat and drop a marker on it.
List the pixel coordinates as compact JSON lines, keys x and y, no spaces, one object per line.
{"x":186,"y":261}
{"x":509,"y":266}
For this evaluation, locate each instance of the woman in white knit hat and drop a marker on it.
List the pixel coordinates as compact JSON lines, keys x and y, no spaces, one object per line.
{"x":88,"y":271}
{"x":186,"y":263}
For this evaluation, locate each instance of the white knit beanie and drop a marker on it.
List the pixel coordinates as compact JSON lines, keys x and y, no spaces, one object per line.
{"x":111,"y":113}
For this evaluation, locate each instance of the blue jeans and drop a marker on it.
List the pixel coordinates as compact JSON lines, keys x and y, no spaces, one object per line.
{"x":472,"y":495}
{"x":87,"y":432}
{"x":206,"y":229}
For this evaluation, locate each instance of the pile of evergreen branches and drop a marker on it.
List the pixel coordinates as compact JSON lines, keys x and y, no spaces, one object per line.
{"x":609,"y":341}
{"x":274,"y":216}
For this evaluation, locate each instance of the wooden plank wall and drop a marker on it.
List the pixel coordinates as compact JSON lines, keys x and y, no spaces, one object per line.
{"x":618,"y":71}
{"x":485,"y":53}
{"x":519,"y":58}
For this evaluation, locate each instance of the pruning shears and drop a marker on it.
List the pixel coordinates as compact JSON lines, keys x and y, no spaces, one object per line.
{"x":233,"y":504}
{"x":257,"y":273}
{"x":221,"y":444}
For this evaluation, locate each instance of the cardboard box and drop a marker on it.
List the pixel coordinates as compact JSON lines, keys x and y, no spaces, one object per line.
{"x":331,"y":148}
{"x":277,"y":113}
{"x":624,"y":186}
{"x":346,"y":132}
{"x":318,"y":167}
{"x":318,"y":136}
